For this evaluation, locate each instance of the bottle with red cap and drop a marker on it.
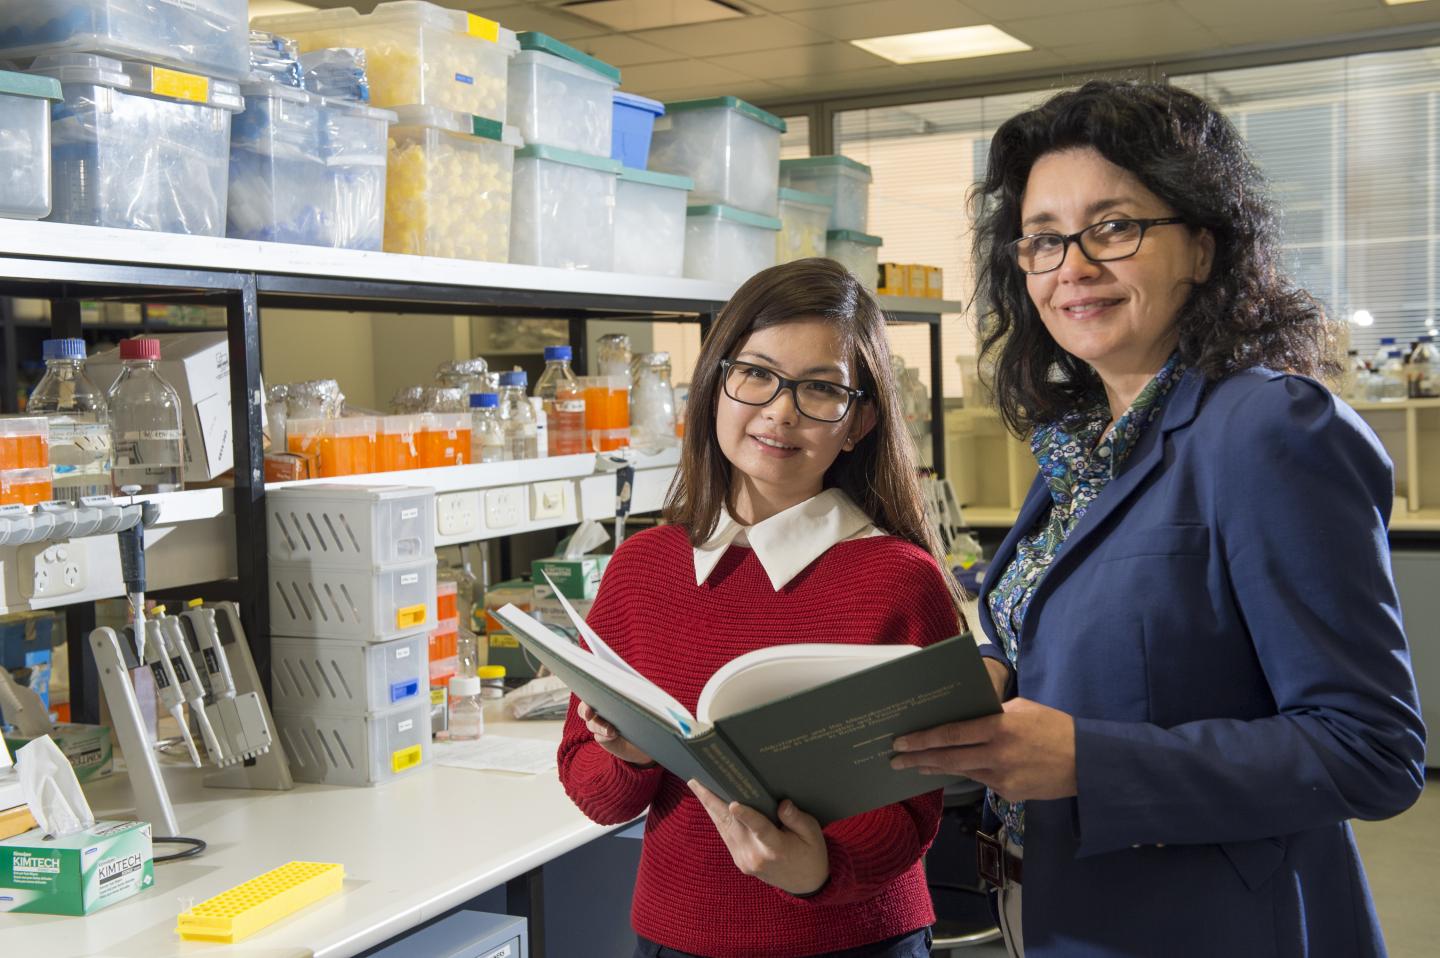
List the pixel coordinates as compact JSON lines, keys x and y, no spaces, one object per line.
{"x":145,"y":424}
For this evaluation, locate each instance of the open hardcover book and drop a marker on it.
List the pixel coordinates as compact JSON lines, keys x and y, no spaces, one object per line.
{"x":811,"y":723}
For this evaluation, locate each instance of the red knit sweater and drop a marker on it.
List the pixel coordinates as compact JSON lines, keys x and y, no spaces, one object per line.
{"x":689,"y":895}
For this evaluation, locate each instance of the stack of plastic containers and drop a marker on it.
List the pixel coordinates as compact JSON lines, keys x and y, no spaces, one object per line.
{"x":858,"y":252}
{"x":650,"y":222}
{"x":352,"y":605}
{"x":354,"y":145}
{"x":846,"y":183}
{"x":25,"y":144}
{"x":728,"y":245}
{"x":561,"y":97}
{"x":804,"y":218}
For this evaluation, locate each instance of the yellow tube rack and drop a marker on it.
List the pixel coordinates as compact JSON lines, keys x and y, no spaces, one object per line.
{"x":243,"y":910}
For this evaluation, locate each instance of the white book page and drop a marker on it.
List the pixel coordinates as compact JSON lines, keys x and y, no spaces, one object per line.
{"x":766,"y":675}
{"x":591,"y":637}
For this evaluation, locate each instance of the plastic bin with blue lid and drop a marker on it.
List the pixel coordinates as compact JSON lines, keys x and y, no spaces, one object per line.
{"x":418,"y":53}
{"x":728,"y":245}
{"x":564,"y":213}
{"x":201,"y":36}
{"x":730,"y":148}
{"x":25,"y":144}
{"x":354,"y":145}
{"x":277,"y":173}
{"x":858,"y":252}
{"x":804,"y":218}
{"x":632,"y":127}
{"x":449,"y":185}
{"x":560,"y":96}
{"x":845,"y":181}
{"x":650,"y":222}
{"x":139,"y":147}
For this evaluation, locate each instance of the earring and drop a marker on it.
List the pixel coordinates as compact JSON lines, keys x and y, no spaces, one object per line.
{"x":849,"y":443}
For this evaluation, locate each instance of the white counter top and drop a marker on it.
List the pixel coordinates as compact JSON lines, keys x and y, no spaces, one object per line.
{"x":412,"y":850}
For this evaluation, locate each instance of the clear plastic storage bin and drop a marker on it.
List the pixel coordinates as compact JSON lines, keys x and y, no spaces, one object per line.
{"x":139,"y":147}
{"x":450,"y":184}
{"x":857,"y":252}
{"x":728,"y":245}
{"x":354,"y":146}
{"x":560,"y":96}
{"x":309,"y":600}
{"x":333,"y":749}
{"x":25,"y":144}
{"x":418,"y":53}
{"x":730,"y":148}
{"x":277,"y":174}
{"x":803,"y":219}
{"x":347,"y":678}
{"x":845,"y":181}
{"x":204,"y":36}
{"x":564,"y":211}
{"x":359,"y":526}
{"x":650,"y":222}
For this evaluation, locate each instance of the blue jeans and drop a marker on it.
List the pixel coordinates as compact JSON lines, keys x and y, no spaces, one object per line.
{"x":916,"y":944}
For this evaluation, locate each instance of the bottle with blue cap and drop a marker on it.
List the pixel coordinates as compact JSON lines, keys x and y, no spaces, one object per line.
{"x":487,"y":432}
{"x":563,"y":401}
{"x":79,"y":431}
{"x":518,"y":416}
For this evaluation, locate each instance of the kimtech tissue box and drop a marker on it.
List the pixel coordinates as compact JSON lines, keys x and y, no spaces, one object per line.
{"x":86,"y":747}
{"x":574,"y":578}
{"x":76,"y":874}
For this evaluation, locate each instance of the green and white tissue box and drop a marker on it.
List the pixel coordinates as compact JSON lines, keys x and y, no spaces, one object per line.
{"x":77,"y":874}
{"x":86,"y":747}
{"x":574,"y":578}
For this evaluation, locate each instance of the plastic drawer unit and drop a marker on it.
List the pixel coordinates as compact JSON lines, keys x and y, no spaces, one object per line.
{"x":310,"y":600}
{"x":202,"y":36}
{"x":857,"y":252}
{"x":730,"y":148}
{"x":561,"y":97}
{"x":632,"y":128}
{"x":803,"y":222}
{"x":25,"y":144}
{"x":564,"y":213}
{"x":728,"y":245}
{"x":451,"y":179}
{"x":650,"y":222}
{"x":354,"y":145}
{"x":369,"y":749}
{"x":335,"y":677}
{"x":464,"y":934}
{"x":139,"y":147}
{"x":417,"y":53}
{"x":277,"y":174}
{"x":360,"y":526}
{"x":845,"y":181}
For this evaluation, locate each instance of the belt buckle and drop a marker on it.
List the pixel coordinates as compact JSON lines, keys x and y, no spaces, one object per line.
{"x":990,"y":859}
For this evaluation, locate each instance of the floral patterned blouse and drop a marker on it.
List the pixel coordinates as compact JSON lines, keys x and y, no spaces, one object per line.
{"x":1078,"y":460}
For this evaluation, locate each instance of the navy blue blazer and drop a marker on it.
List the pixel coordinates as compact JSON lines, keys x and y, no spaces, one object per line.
{"x":1223,"y":626}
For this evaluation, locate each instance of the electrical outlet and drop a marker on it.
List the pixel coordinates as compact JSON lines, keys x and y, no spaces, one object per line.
{"x":457,"y":513}
{"x":504,"y":507}
{"x":49,"y":569}
{"x":547,"y":500}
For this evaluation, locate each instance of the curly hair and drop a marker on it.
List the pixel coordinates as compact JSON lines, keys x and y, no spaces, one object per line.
{"x":1189,"y":155}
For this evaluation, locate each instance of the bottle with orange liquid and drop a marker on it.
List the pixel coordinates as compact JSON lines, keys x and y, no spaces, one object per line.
{"x":24,"y":442}
{"x":396,"y":446}
{"x":444,"y":439}
{"x":563,"y":400}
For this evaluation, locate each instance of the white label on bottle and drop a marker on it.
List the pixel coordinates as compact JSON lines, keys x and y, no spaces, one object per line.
{"x":410,"y":578}
{"x":408,"y":514}
{"x":156,"y":435}
{"x":570,"y":405}
{"x":405,"y":726}
{"x":403,"y":653}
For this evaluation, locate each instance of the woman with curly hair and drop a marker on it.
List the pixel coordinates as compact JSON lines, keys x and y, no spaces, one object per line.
{"x":1194,"y":611}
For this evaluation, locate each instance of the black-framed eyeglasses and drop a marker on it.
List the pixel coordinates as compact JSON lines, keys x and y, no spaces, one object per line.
{"x":814,"y":398}
{"x":1101,"y":242}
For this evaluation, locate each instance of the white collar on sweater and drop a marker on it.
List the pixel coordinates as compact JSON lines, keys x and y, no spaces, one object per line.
{"x":788,"y":541}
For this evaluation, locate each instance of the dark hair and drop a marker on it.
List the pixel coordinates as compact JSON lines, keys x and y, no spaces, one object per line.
{"x":1188,"y":154}
{"x":879,"y":474}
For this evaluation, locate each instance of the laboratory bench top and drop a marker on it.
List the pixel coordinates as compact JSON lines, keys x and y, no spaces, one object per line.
{"x":412,"y":849}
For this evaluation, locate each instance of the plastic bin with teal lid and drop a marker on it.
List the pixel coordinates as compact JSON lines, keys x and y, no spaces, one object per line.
{"x":728,"y":245}
{"x":417,"y":53}
{"x":25,"y":144}
{"x":804,"y":218}
{"x":729,"y":147}
{"x":650,"y":222}
{"x":564,"y":209}
{"x":845,"y":181}
{"x":201,"y":36}
{"x":448,"y":187}
{"x":139,"y":147}
{"x":858,"y":252}
{"x":560,"y":96}
{"x":632,"y":128}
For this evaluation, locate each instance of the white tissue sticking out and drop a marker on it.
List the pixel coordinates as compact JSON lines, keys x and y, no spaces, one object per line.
{"x":587,"y":538}
{"x":51,"y":789}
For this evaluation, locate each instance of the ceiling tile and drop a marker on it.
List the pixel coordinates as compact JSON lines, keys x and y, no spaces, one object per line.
{"x":1142,"y":29}
{"x":980,"y":68}
{"x":818,"y":58}
{"x":624,"y":51}
{"x":682,"y":74}
{"x":731,"y":36}
{"x":1000,"y":11}
{"x":854,"y":82}
{"x":887,"y":17}
{"x":785,"y":6}
{"x":561,"y":26}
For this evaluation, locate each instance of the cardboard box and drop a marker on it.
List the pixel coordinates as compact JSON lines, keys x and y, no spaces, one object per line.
{"x":77,"y":874}
{"x":892,"y":279}
{"x":517,"y":591}
{"x":87,"y":747}
{"x":914,"y":279}
{"x":575,"y":578}
{"x":502,"y":648}
{"x":197,"y":365}
{"x":934,"y":282}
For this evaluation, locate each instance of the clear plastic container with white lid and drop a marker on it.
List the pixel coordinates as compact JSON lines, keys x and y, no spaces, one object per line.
{"x":803,"y":222}
{"x":729,"y":147}
{"x":417,"y":52}
{"x":359,"y":525}
{"x":354,"y":145}
{"x":369,"y":749}
{"x":650,"y":222}
{"x":562,"y":97}
{"x":845,"y":181}
{"x":205,"y":36}
{"x":564,"y":212}
{"x":449,"y":186}
{"x":728,"y":245}
{"x":25,"y":144}
{"x":278,"y":176}
{"x":857,"y":252}
{"x":139,"y":147}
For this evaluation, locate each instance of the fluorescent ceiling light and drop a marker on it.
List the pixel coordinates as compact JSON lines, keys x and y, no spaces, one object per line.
{"x":954,"y":44}
{"x":1396,"y":3}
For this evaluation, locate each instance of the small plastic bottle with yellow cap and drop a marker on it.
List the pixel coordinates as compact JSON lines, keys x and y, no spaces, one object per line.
{"x":492,"y":681}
